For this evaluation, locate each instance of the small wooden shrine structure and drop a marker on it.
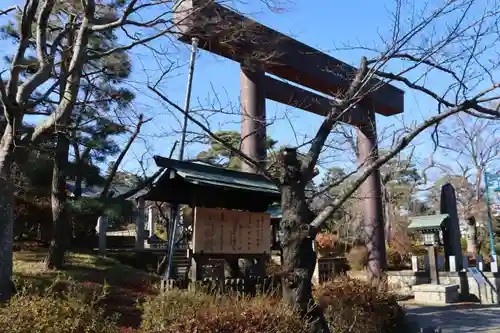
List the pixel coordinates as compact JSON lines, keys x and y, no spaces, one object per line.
{"x":229,"y":221}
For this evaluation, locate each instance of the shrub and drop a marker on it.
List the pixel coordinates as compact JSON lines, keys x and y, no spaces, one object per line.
{"x":418,"y":250}
{"x":394,"y":259}
{"x":70,"y":311}
{"x":358,"y":257}
{"x":351,"y":305}
{"x":186,"y":311}
{"x":273,"y":268}
{"x":325,"y":243}
{"x":463,"y":244}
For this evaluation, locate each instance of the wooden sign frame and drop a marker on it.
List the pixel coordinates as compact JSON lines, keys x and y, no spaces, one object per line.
{"x":225,"y":231}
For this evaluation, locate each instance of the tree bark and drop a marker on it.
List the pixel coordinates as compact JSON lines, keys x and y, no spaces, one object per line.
{"x":299,"y":258}
{"x":471,"y":236}
{"x":387,"y":213}
{"x":6,"y":213}
{"x":77,"y":192}
{"x":61,"y":233}
{"x":80,"y":160}
{"x":479,"y":174}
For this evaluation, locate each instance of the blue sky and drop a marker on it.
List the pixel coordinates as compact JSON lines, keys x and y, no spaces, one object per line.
{"x":327,"y":25}
{"x":218,"y":78}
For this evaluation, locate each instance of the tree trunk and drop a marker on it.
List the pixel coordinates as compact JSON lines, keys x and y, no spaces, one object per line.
{"x":387,"y":213}
{"x":61,"y":233}
{"x":299,"y":258}
{"x":6,"y":213}
{"x":479,"y":174}
{"x":77,"y":191}
{"x":471,"y":236}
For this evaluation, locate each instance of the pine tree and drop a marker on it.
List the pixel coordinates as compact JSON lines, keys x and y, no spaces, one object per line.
{"x":46,"y":73}
{"x":88,"y":126}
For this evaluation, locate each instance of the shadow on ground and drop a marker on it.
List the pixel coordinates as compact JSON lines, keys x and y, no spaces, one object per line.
{"x":457,"y":318}
{"x":123,"y":285}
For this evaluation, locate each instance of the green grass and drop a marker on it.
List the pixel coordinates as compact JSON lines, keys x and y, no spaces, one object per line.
{"x":83,"y":267}
{"x":124,"y":285}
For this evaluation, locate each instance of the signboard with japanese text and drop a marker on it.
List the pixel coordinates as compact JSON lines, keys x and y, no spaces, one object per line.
{"x":224,"y":231}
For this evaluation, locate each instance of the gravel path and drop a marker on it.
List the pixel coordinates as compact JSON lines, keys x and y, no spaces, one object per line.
{"x":457,"y":318}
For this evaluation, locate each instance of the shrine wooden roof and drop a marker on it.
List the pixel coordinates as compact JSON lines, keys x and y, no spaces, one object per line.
{"x":209,"y":186}
{"x":427,"y":222}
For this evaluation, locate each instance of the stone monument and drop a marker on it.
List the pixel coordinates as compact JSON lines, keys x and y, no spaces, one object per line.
{"x":451,"y":229}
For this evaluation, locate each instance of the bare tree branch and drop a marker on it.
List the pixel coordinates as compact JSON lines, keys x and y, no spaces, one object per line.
{"x":8,"y":10}
{"x":129,"y":46}
{"x":148,"y":182}
{"x":46,"y":61}
{"x":128,"y":11}
{"x":28,"y":15}
{"x":326,"y":127}
{"x":120,"y":158}
{"x":402,"y":143}
{"x":234,"y":150}
{"x":65,"y":107}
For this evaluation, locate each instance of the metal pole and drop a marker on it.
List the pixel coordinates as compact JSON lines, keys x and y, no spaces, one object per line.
{"x":194,"y":45}
{"x":488,"y":212}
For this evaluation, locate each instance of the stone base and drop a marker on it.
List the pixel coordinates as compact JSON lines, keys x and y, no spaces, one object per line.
{"x":435,"y":293}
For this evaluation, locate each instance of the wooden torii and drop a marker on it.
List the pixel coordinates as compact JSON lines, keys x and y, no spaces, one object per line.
{"x":260,"y":50}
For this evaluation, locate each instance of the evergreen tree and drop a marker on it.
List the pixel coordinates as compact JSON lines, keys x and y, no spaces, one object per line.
{"x":217,"y":154}
{"x":87,"y":127}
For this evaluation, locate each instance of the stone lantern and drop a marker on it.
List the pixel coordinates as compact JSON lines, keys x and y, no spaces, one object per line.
{"x":430,"y":227}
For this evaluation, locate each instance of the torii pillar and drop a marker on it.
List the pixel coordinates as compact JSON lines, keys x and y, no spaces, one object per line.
{"x":253,"y":118}
{"x":253,"y":132}
{"x":371,"y":193}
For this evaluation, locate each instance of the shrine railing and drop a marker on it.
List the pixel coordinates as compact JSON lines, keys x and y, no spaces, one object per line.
{"x":421,"y":263}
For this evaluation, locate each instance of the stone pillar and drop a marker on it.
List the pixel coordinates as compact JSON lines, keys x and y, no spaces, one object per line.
{"x":151,"y":222}
{"x":433,"y":264}
{"x":479,"y":263}
{"x":465,"y":263}
{"x":139,"y":225}
{"x":253,"y":121}
{"x":414,"y":264}
{"x":494,"y":264}
{"x":315,"y":278}
{"x":371,"y":192}
{"x":102,"y":227}
{"x":453,"y":263}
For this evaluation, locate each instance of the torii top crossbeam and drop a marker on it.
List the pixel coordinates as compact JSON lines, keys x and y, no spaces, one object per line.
{"x":224,"y":32}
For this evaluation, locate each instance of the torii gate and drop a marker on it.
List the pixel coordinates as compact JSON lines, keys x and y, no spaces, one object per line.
{"x":260,"y":49}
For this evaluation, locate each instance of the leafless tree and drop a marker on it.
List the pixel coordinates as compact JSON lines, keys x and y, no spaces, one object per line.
{"x":473,"y":144}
